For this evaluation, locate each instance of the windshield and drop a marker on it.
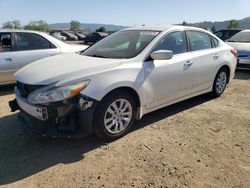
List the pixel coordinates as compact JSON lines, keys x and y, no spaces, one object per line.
{"x":122,"y":44}
{"x":243,"y":36}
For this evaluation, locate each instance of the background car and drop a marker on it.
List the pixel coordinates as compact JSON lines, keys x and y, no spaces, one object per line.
{"x":226,"y":33}
{"x":92,"y":38}
{"x":59,"y":36}
{"x":121,"y":78}
{"x":69,"y":36}
{"x":241,"y":42}
{"x":80,"y":36}
{"x":21,"y":47}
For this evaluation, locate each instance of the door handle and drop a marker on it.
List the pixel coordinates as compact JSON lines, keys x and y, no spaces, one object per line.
{"x":8,"y":59}
{"x":216,"y":56}
{"x":188,"y":63}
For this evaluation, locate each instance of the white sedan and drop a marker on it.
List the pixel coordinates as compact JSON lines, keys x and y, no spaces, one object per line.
{"x":121,"y":78}
{"x":21,"y":47}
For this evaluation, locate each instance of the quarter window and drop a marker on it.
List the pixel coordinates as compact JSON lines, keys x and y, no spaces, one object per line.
{"x":199,"y":41}
{"x":5,"y":42}
{"x":31,"y":41}
{"x":175,"y":42}
{"x":215,"y":42}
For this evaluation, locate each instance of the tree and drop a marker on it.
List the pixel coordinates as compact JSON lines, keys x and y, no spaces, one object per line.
{"x":184,"y":23}
{"x":74,"y":25}
{"x":213,"y":29}
{"x":101,"y":29}
{"x":15,"y":24}
{"x":38,"y":26}
{"x":233,"y":24}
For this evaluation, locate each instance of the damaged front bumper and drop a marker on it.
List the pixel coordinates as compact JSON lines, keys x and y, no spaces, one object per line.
{"x":69,"y":118}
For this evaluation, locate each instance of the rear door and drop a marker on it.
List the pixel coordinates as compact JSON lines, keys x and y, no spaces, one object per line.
{"x":205,"y":59}
{"x":7,"y":65}
{"x":30,"y":47}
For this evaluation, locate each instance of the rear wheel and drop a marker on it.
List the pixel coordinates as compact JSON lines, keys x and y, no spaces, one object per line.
{"x":114,"y":115}
{"x":220,"y":82}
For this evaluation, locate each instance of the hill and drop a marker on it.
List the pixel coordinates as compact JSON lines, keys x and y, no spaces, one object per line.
{"x":244,"y":24}
{"x":90,"y":26}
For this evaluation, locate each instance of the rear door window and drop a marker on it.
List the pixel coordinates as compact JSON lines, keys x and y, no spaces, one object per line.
{"x":5,"y":42}
{"x":199,"y":40}
{"x":31,"y":41}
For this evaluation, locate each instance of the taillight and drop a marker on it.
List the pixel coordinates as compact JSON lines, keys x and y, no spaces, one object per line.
{"x":234,"y":52}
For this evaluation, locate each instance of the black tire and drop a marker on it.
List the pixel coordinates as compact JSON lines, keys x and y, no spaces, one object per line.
{"x":218,"y":92}
{"x":99,"y":126}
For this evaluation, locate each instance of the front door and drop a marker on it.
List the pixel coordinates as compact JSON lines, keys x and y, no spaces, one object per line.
{"x":168,"y":80}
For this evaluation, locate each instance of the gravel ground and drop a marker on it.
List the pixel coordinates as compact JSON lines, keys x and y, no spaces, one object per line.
{"x":201,"y":142}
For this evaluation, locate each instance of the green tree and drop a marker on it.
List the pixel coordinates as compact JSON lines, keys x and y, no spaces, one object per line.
{"x":15,"y":24}
{"x":74,"y":25}
{"x":184,"y":23}
{"x":101,"y":29}
{"x":38,"y":26}
{"x":233,"y":24}
{"x":213,"y":29}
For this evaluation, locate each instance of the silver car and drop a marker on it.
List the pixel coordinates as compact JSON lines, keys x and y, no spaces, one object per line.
{"x":21,"y":47}
{"x":241,"y":42}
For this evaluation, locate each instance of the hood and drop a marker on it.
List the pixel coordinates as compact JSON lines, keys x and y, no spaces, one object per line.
{"x":73,"y":48}
{"x":240,"y":46}
{"x":61,"y":67}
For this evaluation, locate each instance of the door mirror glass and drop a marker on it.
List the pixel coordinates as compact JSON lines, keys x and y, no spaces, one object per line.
{"x":162,"y":55}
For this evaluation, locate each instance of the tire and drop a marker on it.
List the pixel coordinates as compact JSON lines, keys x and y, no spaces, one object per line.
{"x":220,"y":82}
{"x":114,"y":116}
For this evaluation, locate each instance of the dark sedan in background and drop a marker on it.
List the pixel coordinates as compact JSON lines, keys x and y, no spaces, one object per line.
{"x":92,"y":38}
{"x":226,"y":34}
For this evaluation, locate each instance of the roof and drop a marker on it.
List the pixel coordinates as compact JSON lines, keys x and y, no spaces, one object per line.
{"x":20,"y":30}
{"x":160,"y":27}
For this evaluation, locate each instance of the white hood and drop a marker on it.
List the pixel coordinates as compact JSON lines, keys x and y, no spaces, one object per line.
{"x":73,"y":48}
{"x":60,"y":67}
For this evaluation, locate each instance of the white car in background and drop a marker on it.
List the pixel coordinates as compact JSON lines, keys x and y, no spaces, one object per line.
{"x":121,"y":78}
{"x":21,"y":47}
{"x":59,"y":36}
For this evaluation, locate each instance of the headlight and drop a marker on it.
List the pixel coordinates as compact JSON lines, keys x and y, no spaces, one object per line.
{"x":55,"y":94}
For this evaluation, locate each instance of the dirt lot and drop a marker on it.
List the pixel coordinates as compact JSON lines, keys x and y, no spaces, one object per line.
{"x":201,"y":142}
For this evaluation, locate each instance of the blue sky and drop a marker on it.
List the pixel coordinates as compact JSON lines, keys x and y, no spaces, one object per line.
{"x":123,"y":12}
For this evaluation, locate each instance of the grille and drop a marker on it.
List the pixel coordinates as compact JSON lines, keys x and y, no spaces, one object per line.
{"x":26,"y":89}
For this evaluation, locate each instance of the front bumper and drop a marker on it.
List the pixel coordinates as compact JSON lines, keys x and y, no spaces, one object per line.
{"x":64,"y":119}
{"x":243,"y":64}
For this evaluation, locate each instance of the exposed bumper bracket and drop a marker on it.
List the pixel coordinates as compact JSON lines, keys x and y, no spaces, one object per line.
{"x":13,"y":105}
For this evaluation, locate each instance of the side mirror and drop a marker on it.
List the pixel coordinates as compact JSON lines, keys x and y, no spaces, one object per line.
{"x":161,"y":55}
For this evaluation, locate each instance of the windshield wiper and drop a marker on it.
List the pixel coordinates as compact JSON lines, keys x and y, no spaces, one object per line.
{"x":94,"y":55}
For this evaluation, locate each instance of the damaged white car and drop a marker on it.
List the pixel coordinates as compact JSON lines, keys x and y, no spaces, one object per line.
{"x":119,"y":79}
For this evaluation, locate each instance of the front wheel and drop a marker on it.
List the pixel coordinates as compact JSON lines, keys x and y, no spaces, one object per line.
{"x":114,"y":115}
{"x":220,"y":82}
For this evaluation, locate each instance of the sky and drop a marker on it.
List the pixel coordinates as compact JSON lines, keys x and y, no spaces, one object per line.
{"x":123,"y":12}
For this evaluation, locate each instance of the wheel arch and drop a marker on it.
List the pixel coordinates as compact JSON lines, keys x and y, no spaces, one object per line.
{"x":228,"y":71}
{"x":132,"y":92}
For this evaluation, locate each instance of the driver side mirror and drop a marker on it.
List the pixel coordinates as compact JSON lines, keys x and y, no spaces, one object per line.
{"x":162,"y":55}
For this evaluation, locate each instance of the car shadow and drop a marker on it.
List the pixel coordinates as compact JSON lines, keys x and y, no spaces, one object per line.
{"x":242,"y":75}
{"x":22,"y":156}
{"x":6,"y":90}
